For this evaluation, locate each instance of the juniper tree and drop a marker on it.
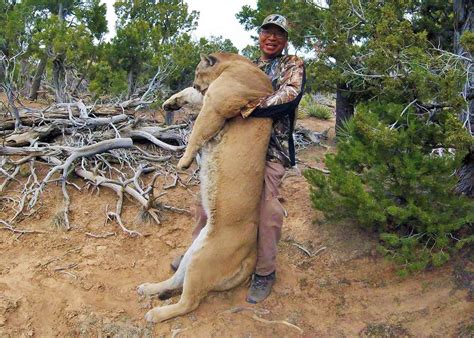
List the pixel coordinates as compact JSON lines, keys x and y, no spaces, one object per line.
{"x":394,"y":170}
{"x":63,"y":36}
{"x":142,"y":28}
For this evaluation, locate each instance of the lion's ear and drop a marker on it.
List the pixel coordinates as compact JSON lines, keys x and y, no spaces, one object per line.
{"x":210,"y":60}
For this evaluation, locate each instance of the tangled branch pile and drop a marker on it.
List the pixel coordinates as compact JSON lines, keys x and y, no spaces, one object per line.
{"x":105,"y":145}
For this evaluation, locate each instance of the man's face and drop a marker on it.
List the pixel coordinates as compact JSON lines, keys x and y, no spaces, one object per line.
{"x":272,"y":40}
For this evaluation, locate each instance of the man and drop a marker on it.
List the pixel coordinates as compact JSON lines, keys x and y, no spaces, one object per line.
{"x":288,"y":80}
{"x":288,"y":77}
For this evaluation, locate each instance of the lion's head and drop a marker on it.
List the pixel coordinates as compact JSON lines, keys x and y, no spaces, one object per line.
{"x":212,"y":66}
{"x":206,"y":72}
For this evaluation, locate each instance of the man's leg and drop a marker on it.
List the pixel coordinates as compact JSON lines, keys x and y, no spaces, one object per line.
{"x":269,"y":233}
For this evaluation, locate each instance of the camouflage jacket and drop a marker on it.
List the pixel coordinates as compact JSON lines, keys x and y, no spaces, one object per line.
{"x":287,"y":75}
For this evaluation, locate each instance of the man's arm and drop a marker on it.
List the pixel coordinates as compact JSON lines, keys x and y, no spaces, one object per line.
{"x":280,"y":101}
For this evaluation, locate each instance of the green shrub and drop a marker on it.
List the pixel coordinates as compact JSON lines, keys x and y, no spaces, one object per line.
{"x":386,"y":177}
{"x":319,"y":111}
{"x":310,"y":108}
{"x":467,"y":41}
{"x":105,"y":80}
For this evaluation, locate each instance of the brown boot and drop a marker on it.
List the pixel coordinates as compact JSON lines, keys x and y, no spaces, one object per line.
{"x":260,"y":288}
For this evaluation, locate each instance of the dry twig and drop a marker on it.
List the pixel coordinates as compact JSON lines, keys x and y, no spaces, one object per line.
{"x":271,"y":322}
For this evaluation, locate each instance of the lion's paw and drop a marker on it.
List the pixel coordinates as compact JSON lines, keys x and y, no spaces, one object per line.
{"x":184,"y":163}
{"x":154,"y":316}
{"x":147,"y":289}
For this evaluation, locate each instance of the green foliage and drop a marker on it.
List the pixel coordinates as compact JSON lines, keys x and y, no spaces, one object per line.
{"x":352,"y":39}
{"x":435,"y":17}
{"x":467,"y":41}
{"x":105,"y":80}
{"x":182,"y":57}
{"x":164,"y":20}
{"x":310,"y":108}
{"x":146,"y":30}
{"x":252,"y":52}
{"x":13,"y":30}
{"x":386,"y":177}
{"x":151,"y":36}
{"x":319,"y":111}
{"x":93,"y":15}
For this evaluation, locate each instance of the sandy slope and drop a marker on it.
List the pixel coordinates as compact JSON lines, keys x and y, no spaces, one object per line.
{"x":68,"y":284}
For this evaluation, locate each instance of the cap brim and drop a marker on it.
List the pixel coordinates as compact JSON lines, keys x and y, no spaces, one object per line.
{"x":273,"y":24}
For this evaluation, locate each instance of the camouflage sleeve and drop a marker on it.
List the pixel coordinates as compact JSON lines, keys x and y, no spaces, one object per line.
{"x":289,"y":83}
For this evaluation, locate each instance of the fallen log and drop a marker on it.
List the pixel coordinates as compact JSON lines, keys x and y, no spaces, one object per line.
{"x":140,"y":134}
{"x":30,"y":136}
{"x":25,"y":151}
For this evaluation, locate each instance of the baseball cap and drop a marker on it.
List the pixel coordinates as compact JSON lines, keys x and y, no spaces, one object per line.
{"x":277,"y":20}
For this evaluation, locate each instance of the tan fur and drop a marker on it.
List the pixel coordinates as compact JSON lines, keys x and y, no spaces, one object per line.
{"x":188,"y":102}
{"x":187,"y":97}
{"x":224,"y":254}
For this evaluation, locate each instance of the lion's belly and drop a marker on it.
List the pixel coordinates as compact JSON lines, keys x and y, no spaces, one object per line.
{"x":232,"y":172}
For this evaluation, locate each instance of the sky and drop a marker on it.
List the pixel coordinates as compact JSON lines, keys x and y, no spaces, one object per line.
{"x":216,"y":18}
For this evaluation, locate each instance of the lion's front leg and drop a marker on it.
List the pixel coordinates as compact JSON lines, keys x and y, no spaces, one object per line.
{"x":207,"y":125}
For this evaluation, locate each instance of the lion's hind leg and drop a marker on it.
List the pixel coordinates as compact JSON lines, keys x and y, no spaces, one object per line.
{"x":193,"y":291}
{"x":196,"y":286}
{"x":206,"y":272}
{"x":240,"y":276}
{"x":167,"y":288}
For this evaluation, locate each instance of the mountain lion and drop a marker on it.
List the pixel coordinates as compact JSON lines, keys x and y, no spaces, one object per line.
{"x":233,"y":160}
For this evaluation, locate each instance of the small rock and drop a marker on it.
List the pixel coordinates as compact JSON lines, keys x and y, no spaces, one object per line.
{"x":170,"y":244}
{"x":323,"y":282}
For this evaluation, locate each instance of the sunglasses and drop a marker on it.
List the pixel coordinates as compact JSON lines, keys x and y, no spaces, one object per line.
{"x":276,"y":33}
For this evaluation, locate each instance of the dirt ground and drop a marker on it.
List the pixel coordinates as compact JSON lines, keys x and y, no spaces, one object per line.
{"x":65,"y":284}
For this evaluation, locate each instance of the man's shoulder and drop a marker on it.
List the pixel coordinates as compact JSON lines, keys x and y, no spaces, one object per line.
{"x":292,"y":60}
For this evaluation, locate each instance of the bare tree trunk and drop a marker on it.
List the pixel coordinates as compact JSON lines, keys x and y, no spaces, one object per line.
{"x":2,"y":71}
{"x":12,"y":106}
{"x":59,"y":75}
{"x":83,"y":76}
{"x":132,"y":82}
{"x":464,"y":22}
{"x":35,"y":86}
{"x":344,"y":105}
{"x":59,"y":71}
{"x":25,"y":77}
{"x":7,"y":83}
